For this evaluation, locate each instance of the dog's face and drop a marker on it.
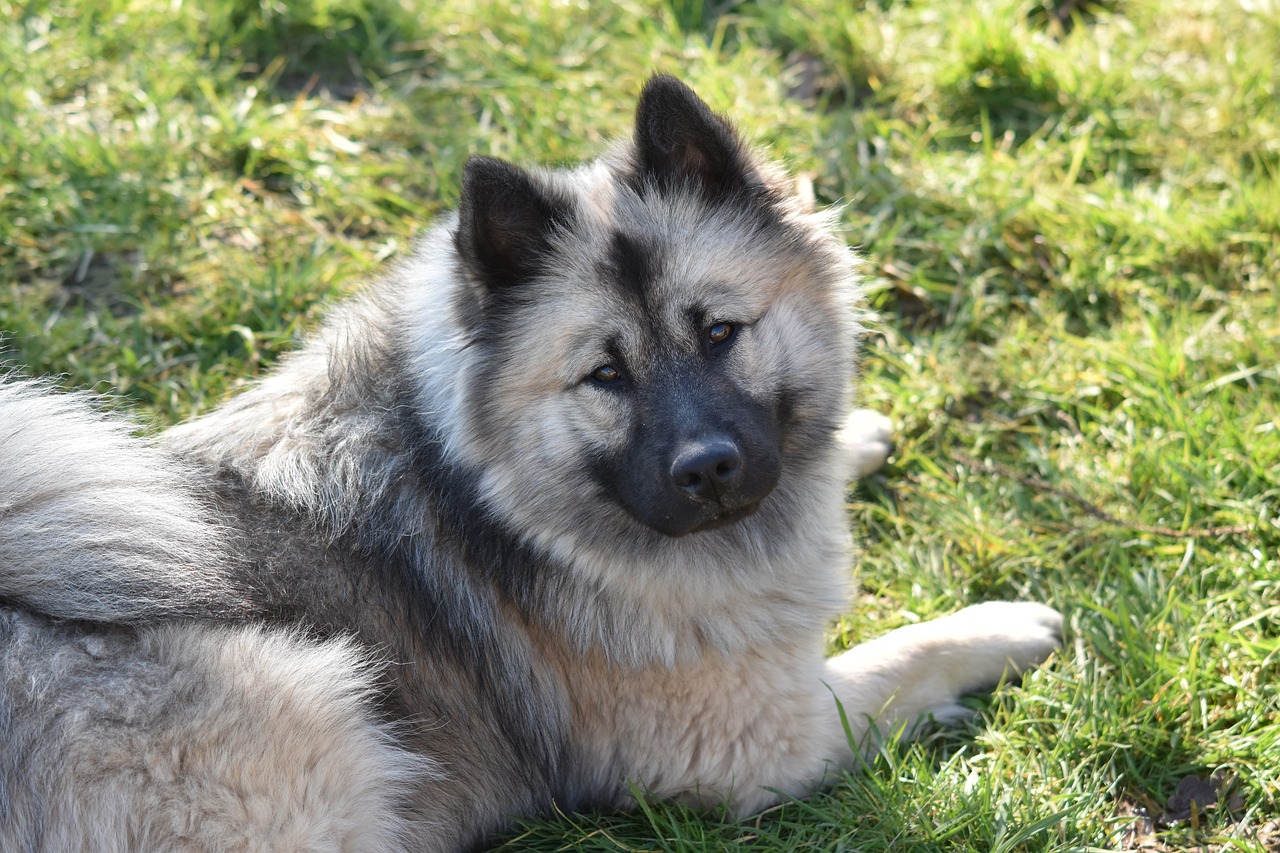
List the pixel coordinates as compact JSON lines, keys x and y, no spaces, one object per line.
{"x":663,"y":336}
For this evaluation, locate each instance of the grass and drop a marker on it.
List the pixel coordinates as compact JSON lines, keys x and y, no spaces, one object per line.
{"x":1070,"y":213}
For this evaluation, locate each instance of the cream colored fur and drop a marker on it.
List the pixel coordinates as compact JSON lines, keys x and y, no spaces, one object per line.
{"x":191,"y":738}
{"x":751,"y":729}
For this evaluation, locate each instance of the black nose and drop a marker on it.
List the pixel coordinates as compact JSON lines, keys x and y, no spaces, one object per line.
{"x":707,"y":469}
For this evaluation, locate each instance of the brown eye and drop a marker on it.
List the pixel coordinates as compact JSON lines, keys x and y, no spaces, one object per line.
{"x":719,"y":332}
{"x":606,"y":373}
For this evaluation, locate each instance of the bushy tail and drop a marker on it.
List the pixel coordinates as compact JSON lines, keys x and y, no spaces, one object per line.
{"x":96,"y":523}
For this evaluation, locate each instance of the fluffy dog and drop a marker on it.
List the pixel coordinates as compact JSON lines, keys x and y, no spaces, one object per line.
{"x":553,"y":508}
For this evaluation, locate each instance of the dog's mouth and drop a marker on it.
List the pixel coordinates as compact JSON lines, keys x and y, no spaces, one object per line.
{"x":725,"y":518}
{"x":710,"y":517}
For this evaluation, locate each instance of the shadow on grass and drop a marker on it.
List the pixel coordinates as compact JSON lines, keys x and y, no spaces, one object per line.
{"x":339,"y":43}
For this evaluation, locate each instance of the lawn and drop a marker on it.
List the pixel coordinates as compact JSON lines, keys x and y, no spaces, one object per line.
{"x":1070,"y":219}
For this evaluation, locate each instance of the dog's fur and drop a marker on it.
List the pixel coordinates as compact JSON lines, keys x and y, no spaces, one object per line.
{"x":554,"y":508}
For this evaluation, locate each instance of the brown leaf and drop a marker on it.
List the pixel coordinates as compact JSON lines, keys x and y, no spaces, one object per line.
{"x":1194,"y":794}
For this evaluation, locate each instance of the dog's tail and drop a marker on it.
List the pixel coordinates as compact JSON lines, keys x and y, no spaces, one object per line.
{"x":96,"y":523}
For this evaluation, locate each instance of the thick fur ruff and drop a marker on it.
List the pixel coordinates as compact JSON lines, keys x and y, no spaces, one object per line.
{"x":553,"y":509}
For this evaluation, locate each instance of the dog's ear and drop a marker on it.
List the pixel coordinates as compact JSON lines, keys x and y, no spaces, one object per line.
{"x":505,"y":222}
{"x":680,"y":142}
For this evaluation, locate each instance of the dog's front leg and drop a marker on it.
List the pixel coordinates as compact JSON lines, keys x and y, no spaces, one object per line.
{"x":792,"y":743}
{"x":921,"y":671}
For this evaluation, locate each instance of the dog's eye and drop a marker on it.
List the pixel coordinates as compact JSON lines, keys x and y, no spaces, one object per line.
{"x":719,"y":332}
{"x":606,"y":373}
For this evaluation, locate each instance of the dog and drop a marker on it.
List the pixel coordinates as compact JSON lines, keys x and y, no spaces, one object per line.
{"x":550,"y":513}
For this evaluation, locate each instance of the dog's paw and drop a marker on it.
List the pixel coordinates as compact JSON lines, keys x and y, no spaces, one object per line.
{"x":867,"y":438}
{"x":922,"y":671}
{"x":998,"y":639}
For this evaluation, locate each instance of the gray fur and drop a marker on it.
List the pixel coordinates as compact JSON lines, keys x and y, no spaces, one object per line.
{"x":185,"y":737}
{"x":91,"y":516}
{"x":435,"y":489}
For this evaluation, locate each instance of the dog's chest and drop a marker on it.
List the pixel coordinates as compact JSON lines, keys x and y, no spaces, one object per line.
{"x":707,"y":733}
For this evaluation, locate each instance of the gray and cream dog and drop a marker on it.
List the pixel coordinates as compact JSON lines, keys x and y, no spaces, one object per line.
{"x":553,"y":509}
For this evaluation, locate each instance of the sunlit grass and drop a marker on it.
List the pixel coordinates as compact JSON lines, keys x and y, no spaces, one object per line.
{"x":1070,"y":214}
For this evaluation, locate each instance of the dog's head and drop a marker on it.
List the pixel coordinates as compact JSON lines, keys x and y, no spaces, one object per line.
{"x":660,"y":338}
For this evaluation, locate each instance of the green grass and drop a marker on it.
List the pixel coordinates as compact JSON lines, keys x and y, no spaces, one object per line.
{"x":1071,"y":219}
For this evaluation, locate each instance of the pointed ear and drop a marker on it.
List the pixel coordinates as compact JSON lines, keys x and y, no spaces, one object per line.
{"x":681,"y":142}
{"x":505,"y":222}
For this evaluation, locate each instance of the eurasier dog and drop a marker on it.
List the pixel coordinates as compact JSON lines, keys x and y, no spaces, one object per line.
{"x":553,"y":509}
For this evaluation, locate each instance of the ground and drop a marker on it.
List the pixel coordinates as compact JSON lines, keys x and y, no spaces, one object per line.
{"x":1070,"y":219}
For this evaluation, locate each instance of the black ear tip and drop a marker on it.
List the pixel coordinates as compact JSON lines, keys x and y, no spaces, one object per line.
{"x":474,"y":164}
{"x":680,"y":141}
{"x":477,"y":163}
{"x":481,"y":171}
{"x":664,"y":83}
{"x":663,"y":90}
{"x":506,"y":219}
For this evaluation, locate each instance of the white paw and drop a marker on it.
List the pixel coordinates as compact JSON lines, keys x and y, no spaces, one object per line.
{"x":867,"y":438}
{"x":997,"y":639}
{"x":921,"y":671}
